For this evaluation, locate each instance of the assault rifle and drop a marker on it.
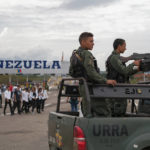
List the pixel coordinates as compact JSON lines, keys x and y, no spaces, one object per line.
{"x":145,"y":60}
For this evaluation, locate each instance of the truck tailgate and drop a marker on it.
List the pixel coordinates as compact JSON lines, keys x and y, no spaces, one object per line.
{"x":60,"y":130}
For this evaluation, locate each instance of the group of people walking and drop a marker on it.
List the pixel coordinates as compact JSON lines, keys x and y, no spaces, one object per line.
{"x":25,"y":100}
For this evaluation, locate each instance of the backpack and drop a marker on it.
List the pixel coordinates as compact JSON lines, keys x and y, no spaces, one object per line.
{"x":76,"y":68}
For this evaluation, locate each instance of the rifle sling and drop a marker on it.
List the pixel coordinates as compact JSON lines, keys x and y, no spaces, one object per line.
{"x":78,"y":57}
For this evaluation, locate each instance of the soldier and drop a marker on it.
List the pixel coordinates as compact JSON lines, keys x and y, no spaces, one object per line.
{"x":117,"y":70}
{"x":99,"y":107}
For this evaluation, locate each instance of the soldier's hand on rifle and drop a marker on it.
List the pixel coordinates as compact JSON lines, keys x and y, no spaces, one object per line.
{"x":137,"y":62}
{"x":111,"y":82}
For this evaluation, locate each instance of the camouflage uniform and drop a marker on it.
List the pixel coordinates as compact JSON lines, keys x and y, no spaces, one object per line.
{"x":117,"y":70}
{"x":99,"y":107}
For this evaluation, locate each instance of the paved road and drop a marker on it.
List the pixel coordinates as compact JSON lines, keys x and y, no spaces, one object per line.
{"x":26,"y":131}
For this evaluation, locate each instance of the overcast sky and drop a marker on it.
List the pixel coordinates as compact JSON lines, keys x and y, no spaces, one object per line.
{"x":43,"y":29}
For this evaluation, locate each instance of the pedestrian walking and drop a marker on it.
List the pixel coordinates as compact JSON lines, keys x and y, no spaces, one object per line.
{"x":7,"y":96}
{"x":44,"y":98}
{"x":40,"y":96}
{"x":0,"y":96}
{"x":34,"y":99}
{"x":25,"y":98}
{"x":17,"y":99}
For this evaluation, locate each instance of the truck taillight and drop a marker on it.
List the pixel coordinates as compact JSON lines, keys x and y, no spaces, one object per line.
{"x":79,"y":138}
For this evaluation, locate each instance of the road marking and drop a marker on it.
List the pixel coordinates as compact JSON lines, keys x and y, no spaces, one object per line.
{"x":48,"y":104}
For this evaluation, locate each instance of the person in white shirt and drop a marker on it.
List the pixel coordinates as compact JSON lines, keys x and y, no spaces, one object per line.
{"x":7,"y":95}
{"x":25,"y":99}
{"x":44,"y":98}
{"x":40,"y":95}
{"x":34,"y":98}
{"x":30,"y":99}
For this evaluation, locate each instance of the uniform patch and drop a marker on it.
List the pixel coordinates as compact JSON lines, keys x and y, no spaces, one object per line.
{"x":91,"y":61}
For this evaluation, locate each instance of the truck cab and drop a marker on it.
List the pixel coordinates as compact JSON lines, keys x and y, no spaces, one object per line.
{"x":71,"y":131}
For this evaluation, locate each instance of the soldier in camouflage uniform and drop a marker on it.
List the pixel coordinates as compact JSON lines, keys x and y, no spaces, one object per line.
{"x":99,"y":107}
{"x":117,"y":70}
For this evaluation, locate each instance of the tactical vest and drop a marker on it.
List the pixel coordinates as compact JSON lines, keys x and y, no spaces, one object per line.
{"x":76,"y":68}
{"x":113,"y":74}
{"x":76,"y":65}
